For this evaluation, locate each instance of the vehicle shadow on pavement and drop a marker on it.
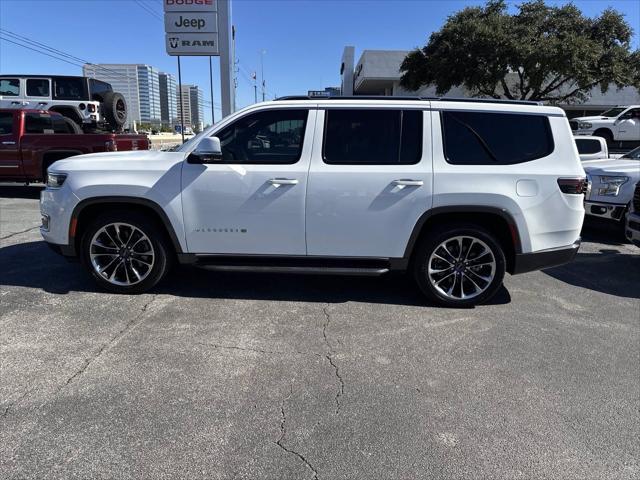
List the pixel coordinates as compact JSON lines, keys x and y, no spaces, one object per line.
{"x":609,"y":272}
{"x":21,"y":191}
{"x":34,"y":265}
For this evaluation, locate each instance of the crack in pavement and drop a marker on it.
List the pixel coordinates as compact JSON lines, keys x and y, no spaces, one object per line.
{"x":130,"y":325}
{"x":18,"y":233}
{"x":283,"y":432}
{"x":6,"y":410}
{"x":329,"y":357}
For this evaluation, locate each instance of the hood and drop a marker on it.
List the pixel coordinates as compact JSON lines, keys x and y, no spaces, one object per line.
{"x":613,"y":166}
{"x":594,"y":118}
{"x":110,"y":161}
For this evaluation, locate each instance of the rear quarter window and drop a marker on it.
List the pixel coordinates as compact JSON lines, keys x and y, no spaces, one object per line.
{"x":586,"y":147}
{"x":483,"y":138}
{"x":38,"y":123}
{"x":9,"y":87}
{"x":6,"y":123}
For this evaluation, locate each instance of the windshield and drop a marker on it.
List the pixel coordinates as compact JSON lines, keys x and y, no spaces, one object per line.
{"x":633,"y":154}
{"x":189,"y":144}
{"x":613,"y":112}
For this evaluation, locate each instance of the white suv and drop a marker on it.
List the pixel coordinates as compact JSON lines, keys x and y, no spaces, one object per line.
{"x":457,"y":192}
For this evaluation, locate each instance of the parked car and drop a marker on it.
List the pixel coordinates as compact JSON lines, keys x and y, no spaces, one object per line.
{"x":616,"y":124}
{"x":592,"y":148}
{"x":632,"y":230}
{"x":90,"y":103}
{"x":31,"y":140}
{"x":610,"y":185}
{"x":457,"y":192}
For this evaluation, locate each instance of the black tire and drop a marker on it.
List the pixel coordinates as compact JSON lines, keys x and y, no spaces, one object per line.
{"x":161,"y":248}
{"x":72,"y":126}
{"x":606,"y":134}
{"x":114,"y":109}
{"x":432,"y":243}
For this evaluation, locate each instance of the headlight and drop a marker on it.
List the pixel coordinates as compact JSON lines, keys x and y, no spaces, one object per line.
{"x":611,"y":185}
{"x":55,"y":180}
{"x":584,"y":125}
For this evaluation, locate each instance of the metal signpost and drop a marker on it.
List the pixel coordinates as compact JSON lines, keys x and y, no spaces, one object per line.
{"x":202,"y":28}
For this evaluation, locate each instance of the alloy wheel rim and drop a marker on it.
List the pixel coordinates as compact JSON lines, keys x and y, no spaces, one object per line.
{"x":122,"y":254}
{"x":461,"y":267}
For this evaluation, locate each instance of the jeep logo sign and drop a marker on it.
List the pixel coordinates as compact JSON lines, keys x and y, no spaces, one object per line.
{"x":197,"y":22}
{"x":192,"y":44}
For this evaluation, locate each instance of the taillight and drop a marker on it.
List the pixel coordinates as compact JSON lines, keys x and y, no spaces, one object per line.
{"x":110,"y":146}
{"x":91,"y":107}
{"x":574,"y":186}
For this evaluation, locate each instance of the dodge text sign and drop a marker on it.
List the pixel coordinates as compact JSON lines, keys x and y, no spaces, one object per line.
{"x":190,"y":5}
{"x":192,"y":44}
{"x":196,"y":22}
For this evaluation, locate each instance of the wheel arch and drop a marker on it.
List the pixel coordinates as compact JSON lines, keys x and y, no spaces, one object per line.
{"x":497,"y":220}
{"x":89,"y":208}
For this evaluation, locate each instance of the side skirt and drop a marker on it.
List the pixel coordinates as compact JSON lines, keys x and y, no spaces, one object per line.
{"x":362,"y":266}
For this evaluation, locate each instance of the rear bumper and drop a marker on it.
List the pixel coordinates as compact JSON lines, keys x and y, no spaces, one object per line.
{"x":528,"y":262}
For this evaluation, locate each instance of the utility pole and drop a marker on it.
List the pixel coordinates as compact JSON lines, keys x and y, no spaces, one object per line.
{"x":180,"y":101}
{"x":262,"y":52}
{"x":254,"y":76}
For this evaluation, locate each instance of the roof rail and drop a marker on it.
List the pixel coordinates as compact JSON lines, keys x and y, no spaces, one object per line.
{"x":387,"y":97}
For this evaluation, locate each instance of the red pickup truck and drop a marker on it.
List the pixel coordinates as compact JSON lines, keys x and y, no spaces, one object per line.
{"x":31,"y":140}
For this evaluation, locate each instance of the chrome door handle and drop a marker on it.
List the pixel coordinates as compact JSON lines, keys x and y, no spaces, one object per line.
{"x":409,"y":183}
{"x":283,"y":181}
{"x":8,"y":143}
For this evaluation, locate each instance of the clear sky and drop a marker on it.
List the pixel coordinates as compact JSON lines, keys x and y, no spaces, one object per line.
{"x":303,"y":40}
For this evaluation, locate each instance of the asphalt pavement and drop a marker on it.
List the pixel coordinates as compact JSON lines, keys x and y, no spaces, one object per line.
{"x":222,"y":376}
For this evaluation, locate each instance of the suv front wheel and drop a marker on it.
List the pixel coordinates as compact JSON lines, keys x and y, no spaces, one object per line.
{"x":125,"y":252}
{"x":459,"y":266}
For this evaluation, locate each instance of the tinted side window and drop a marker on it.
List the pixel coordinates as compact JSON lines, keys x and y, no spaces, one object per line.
{"x":10,"y":87}
{"x":270,"y":137}
{"x":6,"y":123}
{"x":588,"y":146}
{"x":68,"y":88}
{"x":372,"y":137}
{"x":98,"y":89}
{"x":38,"y":123}
{"x":478,"y":138}
{"x":37,"y":87}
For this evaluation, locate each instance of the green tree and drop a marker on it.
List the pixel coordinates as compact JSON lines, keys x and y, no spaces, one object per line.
{"x":543,"y":52}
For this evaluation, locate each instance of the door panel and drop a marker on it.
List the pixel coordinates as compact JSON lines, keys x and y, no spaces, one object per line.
{"x":366,"y":210}
{"x":10,"y":164}
{"x":250,"y":208}
{"x":629,"y":128}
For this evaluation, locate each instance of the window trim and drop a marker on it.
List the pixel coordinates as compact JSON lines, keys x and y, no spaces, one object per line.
{"x":26,"y":88}
{"x":548,"y":131}
{"x":365,"y":108}
{"x":254,"y":112}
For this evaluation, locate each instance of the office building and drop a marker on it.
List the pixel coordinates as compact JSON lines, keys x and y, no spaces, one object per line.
{"x":191,"y":101}
{"x":138,"y":83}
{"x":168,"y":100}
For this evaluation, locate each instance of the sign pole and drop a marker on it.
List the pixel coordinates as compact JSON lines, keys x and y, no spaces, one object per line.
{"x":211,"y":87}
{"x":226,"y":57}
{"x":180,"y":100}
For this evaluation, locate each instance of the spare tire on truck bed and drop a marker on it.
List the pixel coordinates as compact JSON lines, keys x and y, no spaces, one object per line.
{"x":114,"y":109}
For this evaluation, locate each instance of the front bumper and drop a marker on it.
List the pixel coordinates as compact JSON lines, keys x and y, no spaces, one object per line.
{"x":632,"y":229}
{"x":552,"y":257}
{"x":609,"y":211}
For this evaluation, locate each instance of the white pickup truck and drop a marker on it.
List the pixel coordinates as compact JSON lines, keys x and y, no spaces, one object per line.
{"x":610,"y":185}
{"x":619,"y":124}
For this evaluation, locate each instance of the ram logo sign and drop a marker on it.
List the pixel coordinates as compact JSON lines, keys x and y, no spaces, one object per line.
{"x":192,"y":44}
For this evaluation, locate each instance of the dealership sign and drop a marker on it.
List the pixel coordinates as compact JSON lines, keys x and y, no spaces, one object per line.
{"x":191,"y":27}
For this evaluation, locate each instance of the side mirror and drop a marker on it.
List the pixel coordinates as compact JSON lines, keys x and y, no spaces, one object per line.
{"x":208,"y":150}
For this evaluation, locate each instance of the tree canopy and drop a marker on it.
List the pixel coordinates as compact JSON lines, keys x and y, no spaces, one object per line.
{"x":543,"y":52}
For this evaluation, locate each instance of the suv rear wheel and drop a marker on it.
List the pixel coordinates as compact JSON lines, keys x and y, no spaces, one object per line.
{"x":459,"y":265}
{"x":125,"y":252}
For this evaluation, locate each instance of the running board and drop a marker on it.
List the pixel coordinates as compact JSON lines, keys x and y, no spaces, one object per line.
{"x":356,"y":271}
